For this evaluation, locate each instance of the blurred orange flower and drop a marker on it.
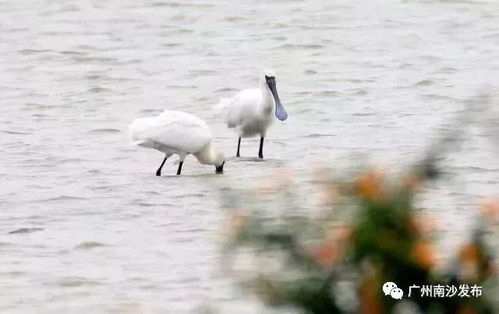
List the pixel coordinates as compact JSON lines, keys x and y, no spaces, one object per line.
{"x":467,"y":309}
{"x":331,"y":249}
{"x":327,"y":254}
{"x":423,"y":224}
{"x":423,"y":254}
{"x":469,"y":258}
{"x":370,"y":186}
{"x":469,"y":253}
{"x":412,"y":182}
{"x":490,"y":207}
{"x":370,"y":302}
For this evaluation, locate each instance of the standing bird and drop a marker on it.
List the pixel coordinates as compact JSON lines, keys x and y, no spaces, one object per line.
{"x":177,"y":132}
{"x":250,"y":110}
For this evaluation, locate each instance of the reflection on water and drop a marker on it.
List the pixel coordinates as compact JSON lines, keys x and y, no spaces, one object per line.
{"x":373,"y":77}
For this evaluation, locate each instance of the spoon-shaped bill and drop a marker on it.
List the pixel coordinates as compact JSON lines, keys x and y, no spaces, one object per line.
{"x":280,"y":112}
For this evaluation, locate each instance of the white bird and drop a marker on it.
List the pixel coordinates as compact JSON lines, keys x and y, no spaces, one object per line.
{"x":250,"y":110}
{"x":177,"y":132}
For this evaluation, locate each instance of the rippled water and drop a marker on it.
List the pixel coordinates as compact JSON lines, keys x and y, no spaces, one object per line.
{"x":86,"y":227}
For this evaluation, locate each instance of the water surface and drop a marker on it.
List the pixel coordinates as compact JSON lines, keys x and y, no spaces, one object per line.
{"x":86,"y":227}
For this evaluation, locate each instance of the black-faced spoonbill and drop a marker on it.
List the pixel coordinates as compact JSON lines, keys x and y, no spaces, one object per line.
{"x":177,"y":132}
{"x":250,"y":111}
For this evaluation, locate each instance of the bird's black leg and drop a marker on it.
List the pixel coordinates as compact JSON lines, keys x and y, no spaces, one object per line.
{"x":260,"y":152}
{"x":238,"y":147}
{"x":158,"y":172}
{"x":180,"y":168}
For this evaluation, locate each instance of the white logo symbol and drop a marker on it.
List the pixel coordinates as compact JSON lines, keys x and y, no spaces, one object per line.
{"x":397,"y":293}
{"x":390,"y":288}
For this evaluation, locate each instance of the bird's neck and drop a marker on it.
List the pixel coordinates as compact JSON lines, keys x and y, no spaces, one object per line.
{"x":206,"y":155}
{"x":268,"y":101}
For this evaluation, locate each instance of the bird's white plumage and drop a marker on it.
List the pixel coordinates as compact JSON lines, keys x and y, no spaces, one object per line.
{"x":250,"y":111}
{"x":172,"y":132}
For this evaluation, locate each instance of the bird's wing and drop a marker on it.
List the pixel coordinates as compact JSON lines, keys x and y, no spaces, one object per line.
{"x":179,"y":130}
{"x":242,"y":105}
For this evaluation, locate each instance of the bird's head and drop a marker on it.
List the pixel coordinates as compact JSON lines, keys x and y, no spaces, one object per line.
{"x":219,"y":161}
{"x":269,"y":73}
{"x":269,"y":80}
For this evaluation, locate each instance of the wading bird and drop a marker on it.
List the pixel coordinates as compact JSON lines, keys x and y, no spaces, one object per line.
{"x":250,"y":111}
{"x":177,"y":132}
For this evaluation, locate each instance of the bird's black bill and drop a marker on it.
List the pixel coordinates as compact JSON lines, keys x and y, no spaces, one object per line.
{"x":280,"y":112}
{"x":220,"y":169}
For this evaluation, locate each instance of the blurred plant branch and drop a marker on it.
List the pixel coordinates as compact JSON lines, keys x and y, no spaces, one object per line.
{"x":369,"y":233}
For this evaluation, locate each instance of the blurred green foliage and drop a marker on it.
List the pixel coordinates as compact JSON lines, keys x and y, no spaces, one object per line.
{"x":368,"y":232}
{"x":337,"y":262}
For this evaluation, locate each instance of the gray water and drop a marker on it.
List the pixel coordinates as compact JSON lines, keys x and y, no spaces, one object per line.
{"x":86,"y":227}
